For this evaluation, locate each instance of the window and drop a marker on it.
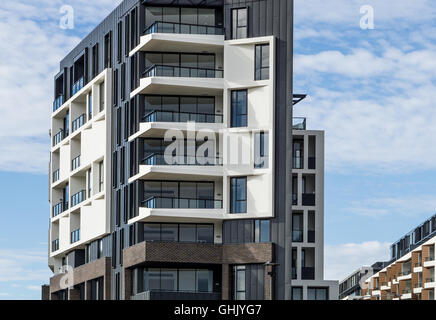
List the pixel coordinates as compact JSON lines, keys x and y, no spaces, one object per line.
{"x":262,"y":62}
{"x":297,"y":227}
{"x":121,"y":245}
{"x":317,"y":293}
{"x":114,"y":249}
{"x":126,"y":121}
{"x":261,"y":150}
{"x":262,"y":231}
{"x":122,"y":164}
{"x":114,"y":169}
{"x":100,"y":176}
{"x":101,"y":91}
{"x":123,"y":81}
{"x":95,"y":60}
{"x":120,"y":41}
{"x":201,"y":233}
{"x":118,"y":208}
{"x":297,"y":293}
{"x":127,"y":34}
{"x":239,"y":292}
{"x":239,"y":109}
{"x":238,"y":195}
{"x":133,"y":28}
{"x":89,"y":182}
{"x":239,"y":23}
{"x":115,"y":85}
{"x":88,"y":253}
{"x":119,"y":126}
{"x":90,"y":106}
{"x":100,"y":249}
{"x":108,"y":50}
{"x":117,"y":286}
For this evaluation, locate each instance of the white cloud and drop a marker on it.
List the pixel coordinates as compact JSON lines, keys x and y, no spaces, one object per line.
{"x":341,"y":260}
{"x":32,"y":46}
{"x":406,"y":206}
{"x":23,"y":265}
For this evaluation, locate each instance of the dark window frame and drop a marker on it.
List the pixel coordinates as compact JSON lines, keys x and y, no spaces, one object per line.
{"x":261,"y":67}
{"x":234,"y":29}
{"x":233,"y":192}
{"x":235,"y":116}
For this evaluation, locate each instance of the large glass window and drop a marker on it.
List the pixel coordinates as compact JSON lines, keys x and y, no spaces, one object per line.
{"x":261,"y":150}
{"x":239,"y":108}
{"x":317,"y":293}
{"x":184,"y":60}
{"x":192,"y":16}
{"x":177,"y":280}
{"x":239,"y":292}
{"x":239,"y":23}
{"x":238,"y":195}
{"x":262,"y":62}
{"x":202,"y":233}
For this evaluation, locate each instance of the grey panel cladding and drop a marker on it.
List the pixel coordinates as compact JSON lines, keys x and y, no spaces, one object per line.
{"x":76,"y":258}
{"x":238,"y":231}
{"x":255,"y":282}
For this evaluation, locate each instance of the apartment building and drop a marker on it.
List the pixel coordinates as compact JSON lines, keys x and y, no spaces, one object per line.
{"x":350,"y":288}
{"x":172,"y":135}
{"x":411,"y":276}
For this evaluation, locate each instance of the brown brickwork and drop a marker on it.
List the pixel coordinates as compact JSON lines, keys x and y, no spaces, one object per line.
{"x":83,"y":274}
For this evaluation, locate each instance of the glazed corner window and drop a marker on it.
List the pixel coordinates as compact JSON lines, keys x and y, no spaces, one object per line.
{"x":261,"y":150}
{"x":239,"y":109}
{"x":239,"y":23}
{"x":238,"y":195}
{"x":262,"y":62}
{"x":297,"y":293}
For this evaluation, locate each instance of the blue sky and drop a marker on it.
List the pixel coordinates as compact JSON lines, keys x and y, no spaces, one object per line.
{"x":372,"y":91}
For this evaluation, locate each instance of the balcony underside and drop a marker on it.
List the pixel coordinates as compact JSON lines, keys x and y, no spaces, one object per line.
{"x":180,"y":43}
{"x":179,"y":215}
{"x":186,"y":173}
{"x":179,"y":86}
{"x":158,"y":129}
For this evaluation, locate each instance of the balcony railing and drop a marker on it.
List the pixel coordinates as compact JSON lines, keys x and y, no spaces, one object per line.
{"x":308,"y":273}
{"x":79,"y":84}
{"x":298,"y":163}
{"x":158,"y":159}
{"x":430,"y":258}
{"x":58,"y":102}
{"x":172,"y":116}
{"x":405,"y":273}
{"x":181,"y":203}
{"x":55,"y":245}
{"x":187,"y":72}
{"x":61,"y":135}
{"x":182,"y":28}
{"x":78,"y":122}
{"x":406,"y":291}
{"x":75,"y":163}
{"x":429,"y":280}
{"x":311,"y":236}
{"x":418,"y":264}
{"x":56,"y":176}
{"x":418,"y":285}
{"x":299,"y":123}
{"x":78,"y":198}
{"x":308,"y":199}
{"x":297,"y":235}
{"x":59,"y":208}
{"x":75,"y":236}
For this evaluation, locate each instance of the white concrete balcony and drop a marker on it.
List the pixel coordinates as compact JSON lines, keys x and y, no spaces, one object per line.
{"x":180,"y":37}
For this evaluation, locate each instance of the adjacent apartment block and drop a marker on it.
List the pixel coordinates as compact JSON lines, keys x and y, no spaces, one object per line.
{"x":411,"y":273}
{"x":173,"y":164}
{"x":350,"y":288}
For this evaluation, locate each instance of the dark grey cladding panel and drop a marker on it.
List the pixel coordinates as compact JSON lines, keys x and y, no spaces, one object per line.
{"x":255,"y":282}
{"x":238,"y":231}
{"x":76,"y":258}
{"x":215,"y":3}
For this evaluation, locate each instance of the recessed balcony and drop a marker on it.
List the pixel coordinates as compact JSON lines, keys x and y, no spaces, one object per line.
{"x":78,"y":122}
{"x":78,"y":198}
{"x":78,"y":85}
{"x":59,"y":208}
{"x":55,"y":245}
{"x":59,"y":137}
{"x":182,"y":28}
{"x":56,"y":175}
{"x":75,"y":163}
{"x":58,"y":102}
{"x":75,"y":236}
